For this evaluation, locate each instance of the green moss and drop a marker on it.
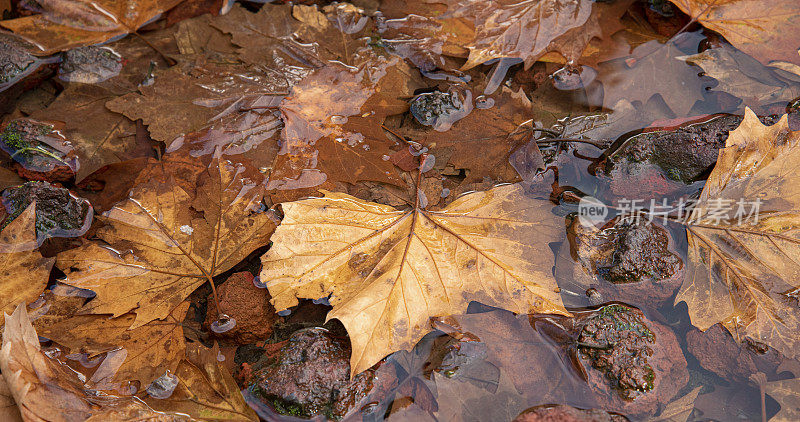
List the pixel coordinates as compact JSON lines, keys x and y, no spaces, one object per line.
{"x":288,"y":408}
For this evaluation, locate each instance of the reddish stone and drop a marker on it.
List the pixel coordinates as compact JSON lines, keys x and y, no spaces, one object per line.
{"x":245,"y":303}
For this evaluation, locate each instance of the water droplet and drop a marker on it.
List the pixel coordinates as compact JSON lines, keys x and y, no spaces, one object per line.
{"x":186,"y":229}
{"x":445,"y":192}
{"x":321,"y":301}
{"x":484,"y":102}
{"x":422,"y":199}
{"x":386,"y":157}
{"x":417,"y":152}
{"x":427,"y":163}
{"x":257,"y":282}
{"x":223,"y":324}
{"x":220,"y":357}
{"x":163,"y":386}
{"x":338,"y":120}
{"x":285,"y":312}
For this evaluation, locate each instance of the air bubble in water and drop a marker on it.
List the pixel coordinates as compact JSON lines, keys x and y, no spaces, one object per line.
{"x":427,"y":163}
{"x":257,"y":282}
{"x":223,"y":324}
{"x":163,"y":386}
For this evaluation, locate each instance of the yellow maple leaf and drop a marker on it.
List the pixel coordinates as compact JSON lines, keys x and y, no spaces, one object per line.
{"x":744,"y":271}
{"x":389,"y":271}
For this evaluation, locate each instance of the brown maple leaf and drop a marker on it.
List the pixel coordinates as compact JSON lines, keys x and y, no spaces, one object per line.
{"x":388,"y":271}
{"x":164,"y":241}
{"x":523,"y":30}
{"x":65,"y":24}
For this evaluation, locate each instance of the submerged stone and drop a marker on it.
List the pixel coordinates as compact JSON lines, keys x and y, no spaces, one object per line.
{"x":618,"y":343}
{"x":15,"y":60}
{"x":440,"y":109}
{"x":311,"y":377}
{"x":59,"y":213}
{"x":684,"y":153}
{"x":90,"y":65}
{"x":38,"y":150}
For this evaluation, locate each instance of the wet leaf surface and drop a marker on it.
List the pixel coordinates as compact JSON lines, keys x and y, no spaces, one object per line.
{"x":388,"y":271}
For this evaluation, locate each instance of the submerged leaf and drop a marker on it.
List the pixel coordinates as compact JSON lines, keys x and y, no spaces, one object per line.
{"x":389,"y":271}
{"x":743,"y":268}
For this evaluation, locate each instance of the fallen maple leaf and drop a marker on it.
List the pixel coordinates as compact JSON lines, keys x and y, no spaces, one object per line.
{"x":142,"y":353}
{"x":743,"y":272}
{"x":338,"y":30}
{"x":23,"y":269}
{"x":460,"y":400}
{"x":388,"y":271}
{"x":655,"y":70}
{"x":205,"y":390}
{"x":764,"y":30}
{"x":46,"y":390}
{"x":8,"y":408}
{"x":744,"y":77}
{"x":66,"y":24}
{"x":164,"y":241}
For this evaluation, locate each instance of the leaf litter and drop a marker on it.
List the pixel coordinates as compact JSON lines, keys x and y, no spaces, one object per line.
{"x":401,"y":187}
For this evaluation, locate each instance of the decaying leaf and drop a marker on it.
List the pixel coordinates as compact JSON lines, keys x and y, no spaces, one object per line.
{"x":679,"y":410}
{"x":142,"y":354}
{"x":205,"y":391}
{"x":495,"y":132}
{"x":333,"y":125}
{"x":521,"y":30}
{"x":653,"y":70}
{"x":23,"y":271}
{"x":184,"y":100}
{"x":764,"y":30}
{"x":388,"y":271}
{"x":744,"y":77}
{"x":46,"y":390}
{"x":164,"y":241}
{"x":8,"y":408}
{"x":462,"y":401}
{"x":785,"y":392}
{"x":66,"y":24}
{"x":743,"y":266}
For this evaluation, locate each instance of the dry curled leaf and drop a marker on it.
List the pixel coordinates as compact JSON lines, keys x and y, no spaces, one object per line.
{"x":22,"y":268}
{"x":766,"y":30}
{"x":160,"y":244}
{"x":65,"y":24}
{"x":46,"y":390}
{"x":206,"y":390}
{"x":743,"y":269}
{"x":388,"y":271}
